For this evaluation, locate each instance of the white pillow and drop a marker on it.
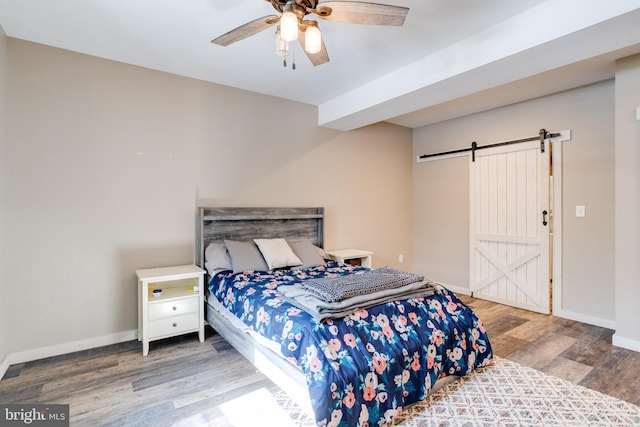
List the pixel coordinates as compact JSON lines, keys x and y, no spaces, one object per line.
{"x":277,"y":253}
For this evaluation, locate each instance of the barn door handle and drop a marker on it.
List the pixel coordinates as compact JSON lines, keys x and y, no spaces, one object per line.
{"x":544,"y":217}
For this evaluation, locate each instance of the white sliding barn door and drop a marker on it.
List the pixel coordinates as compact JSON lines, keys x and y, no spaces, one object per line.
{"x":509,"y":200}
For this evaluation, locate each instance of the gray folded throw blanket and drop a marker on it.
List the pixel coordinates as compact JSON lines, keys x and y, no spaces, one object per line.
{"x":332,"y":289}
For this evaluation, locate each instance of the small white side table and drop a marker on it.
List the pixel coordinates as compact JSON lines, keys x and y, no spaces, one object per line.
{"x":178,"y":310}
{"x":352,"y":256}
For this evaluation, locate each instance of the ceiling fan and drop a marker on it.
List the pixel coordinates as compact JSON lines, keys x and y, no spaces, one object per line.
{"x":291,"y":24}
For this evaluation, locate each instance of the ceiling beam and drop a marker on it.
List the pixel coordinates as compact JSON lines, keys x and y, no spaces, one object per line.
{"x":551,"y":35}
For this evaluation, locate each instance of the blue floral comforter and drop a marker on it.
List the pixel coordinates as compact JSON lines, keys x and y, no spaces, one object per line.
{"x":365,"y":368}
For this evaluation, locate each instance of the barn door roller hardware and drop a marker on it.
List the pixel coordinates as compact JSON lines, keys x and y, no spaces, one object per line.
{"x":542,"y":135}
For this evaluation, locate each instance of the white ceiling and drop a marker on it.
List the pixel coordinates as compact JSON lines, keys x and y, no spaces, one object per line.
{"x":451,"y":58}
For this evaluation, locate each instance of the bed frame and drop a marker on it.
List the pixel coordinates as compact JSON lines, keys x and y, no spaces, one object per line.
{"x":215,"y":224}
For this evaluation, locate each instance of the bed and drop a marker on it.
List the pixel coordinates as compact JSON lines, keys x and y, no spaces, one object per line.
{"x":361,"y":368}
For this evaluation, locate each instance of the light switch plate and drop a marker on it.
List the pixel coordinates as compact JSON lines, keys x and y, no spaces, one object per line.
{"x":638,"y":113}
{"x":580,"y":212}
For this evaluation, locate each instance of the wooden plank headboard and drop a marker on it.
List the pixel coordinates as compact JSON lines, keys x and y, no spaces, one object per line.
{"x":215,"y":224}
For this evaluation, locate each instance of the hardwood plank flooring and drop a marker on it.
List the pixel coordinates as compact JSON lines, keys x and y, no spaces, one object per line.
{"x":182,"y":382}
{"x":574,"y":351}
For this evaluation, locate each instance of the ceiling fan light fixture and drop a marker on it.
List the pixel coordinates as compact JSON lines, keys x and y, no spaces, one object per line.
{"x":313,"y":38}
{"x":289,"y":24}
{"x":281,"y":45}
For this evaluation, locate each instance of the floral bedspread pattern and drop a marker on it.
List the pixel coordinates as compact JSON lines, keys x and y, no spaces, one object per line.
{"x":362,"y":369}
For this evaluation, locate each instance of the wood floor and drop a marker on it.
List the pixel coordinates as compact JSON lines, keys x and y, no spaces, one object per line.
{"x":574,"y":351}
{"x":183,"y":382}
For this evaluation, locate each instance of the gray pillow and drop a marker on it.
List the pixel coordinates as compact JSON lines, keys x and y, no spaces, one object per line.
{"x":217,"y":258}
{"x":245,"y":256}
{"x":308,"y":253}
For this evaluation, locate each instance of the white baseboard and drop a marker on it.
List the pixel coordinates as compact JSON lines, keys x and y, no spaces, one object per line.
{"x":4,"y":365}
{"x":56,"y":350}
{"x":591,"y":320}
{"x":627,"y":343}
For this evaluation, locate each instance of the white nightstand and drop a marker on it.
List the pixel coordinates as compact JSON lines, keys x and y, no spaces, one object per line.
{"x":179,"y":309}
{"x":352,"y":256}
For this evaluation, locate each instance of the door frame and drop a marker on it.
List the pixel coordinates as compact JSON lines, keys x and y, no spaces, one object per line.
{"x":556,"y":222}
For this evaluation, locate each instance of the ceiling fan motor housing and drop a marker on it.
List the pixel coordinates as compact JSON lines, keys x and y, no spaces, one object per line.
{"x":304,"y":4}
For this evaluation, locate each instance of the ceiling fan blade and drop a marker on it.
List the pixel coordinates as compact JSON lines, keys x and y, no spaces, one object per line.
{"x":315,"y":58}
{"x":246,"y":30}
{"x":354,"y":12}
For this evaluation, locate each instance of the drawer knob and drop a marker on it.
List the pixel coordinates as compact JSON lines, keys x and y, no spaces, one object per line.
{"x":175,"y":308}
{"x":175,"y":324}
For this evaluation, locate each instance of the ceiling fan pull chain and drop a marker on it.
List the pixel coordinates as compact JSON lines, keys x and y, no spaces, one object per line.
{"x":293,"y":64}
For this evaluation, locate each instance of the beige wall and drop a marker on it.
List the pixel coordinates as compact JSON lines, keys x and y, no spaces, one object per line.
{"x":107,"y":163}
{"x":4,"y":288}
{"x":441,"y":192}
{"x":627,"y":191}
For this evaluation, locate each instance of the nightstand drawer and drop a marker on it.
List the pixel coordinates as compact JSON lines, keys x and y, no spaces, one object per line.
{"x":179,"y":307}
{"x":174,"y":325}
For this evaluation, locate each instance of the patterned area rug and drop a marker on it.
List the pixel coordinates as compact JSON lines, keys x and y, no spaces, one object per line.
{"x":507,"y":394}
